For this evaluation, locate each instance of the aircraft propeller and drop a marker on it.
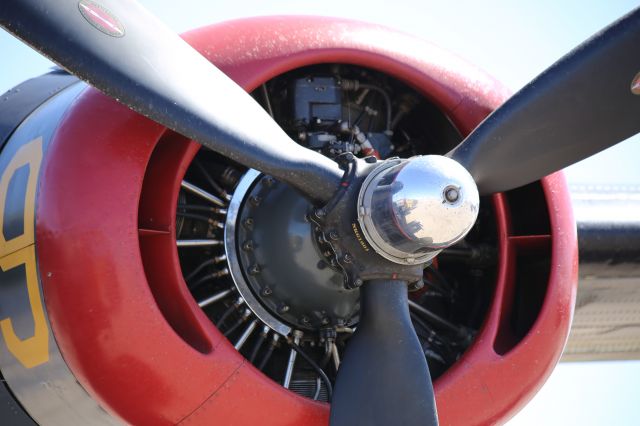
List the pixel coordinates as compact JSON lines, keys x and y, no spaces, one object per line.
{"x":586,"y":102}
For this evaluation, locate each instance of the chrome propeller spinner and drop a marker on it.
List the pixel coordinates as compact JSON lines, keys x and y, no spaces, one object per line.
{"x":410,"y":210}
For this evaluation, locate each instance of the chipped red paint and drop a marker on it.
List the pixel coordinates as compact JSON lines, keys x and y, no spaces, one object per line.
{"x":109,"y":317}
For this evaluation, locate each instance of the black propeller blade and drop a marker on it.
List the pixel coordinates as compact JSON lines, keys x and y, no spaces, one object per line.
{"x":123,"y":50}
{"x":581,"y":105}
{"x":384,"y":378}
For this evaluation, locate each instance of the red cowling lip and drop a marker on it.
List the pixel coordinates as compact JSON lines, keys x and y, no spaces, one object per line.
{"x":105,"y":318}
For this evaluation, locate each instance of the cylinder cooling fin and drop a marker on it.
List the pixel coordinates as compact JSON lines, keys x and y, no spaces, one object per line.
{"x":175,"y":284}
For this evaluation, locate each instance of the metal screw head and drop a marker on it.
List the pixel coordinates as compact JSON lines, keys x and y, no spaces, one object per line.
{"x":255,"y":200}
{"x":283,"y":308}
{"x":321,"y":212}
{"x":254,"y":269}
{"x":266,"y":291}
{"x":248,"y":245}
{"x":347,"y":258}
{"x":333,"y":235}
{"x":269,"y":181}
{"x":358,"y":282}
{"x":325,"y":321}
{"x":248,"y":222}
{"x":305,"y":320}
{"x":451,"y":194}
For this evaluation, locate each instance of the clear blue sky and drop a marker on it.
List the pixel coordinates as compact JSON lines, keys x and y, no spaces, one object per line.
{"x":512,"y":40}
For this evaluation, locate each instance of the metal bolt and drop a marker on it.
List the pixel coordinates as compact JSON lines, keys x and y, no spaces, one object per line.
{"x":358,"y":282}
{"x":248,"y":222}
{"x":333,"y":235}
{"x":283,"y":309}
{"x":325,"y":321}
{"x":269,"y":181}
{"x":451,"y":194}
{"x":305,"y":320}
{"x":321,"y":212}
{"x":347,"y":258}
{"x":255,"y":200}
{"x":254,"y":269}
{"x":417,"y":285}
{"x":266,"y":291}
{"x":248,"y":245}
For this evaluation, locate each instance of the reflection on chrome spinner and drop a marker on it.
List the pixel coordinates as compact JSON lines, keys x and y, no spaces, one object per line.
{"x":410,"y":210}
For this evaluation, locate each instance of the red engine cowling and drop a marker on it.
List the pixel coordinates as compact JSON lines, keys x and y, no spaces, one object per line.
{"x":100,"y":326}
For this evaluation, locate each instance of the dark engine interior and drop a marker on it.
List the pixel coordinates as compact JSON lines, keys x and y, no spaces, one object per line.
{"x":333,"y":109}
